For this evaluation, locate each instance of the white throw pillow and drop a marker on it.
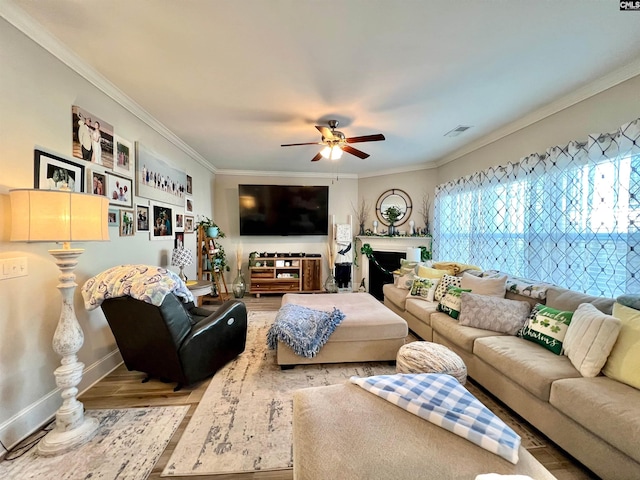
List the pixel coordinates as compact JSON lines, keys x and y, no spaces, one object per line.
{"x":492,"y":313}
{"x":590,"y":338}
{"x":492,"y":286}
{"x":445,"y":282}
{"x":406,"y":281}
{"x":423,"y":288}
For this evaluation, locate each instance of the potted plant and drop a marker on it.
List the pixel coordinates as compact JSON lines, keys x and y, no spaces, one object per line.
{"x":210,"y":227}
{"x":392,"y":214}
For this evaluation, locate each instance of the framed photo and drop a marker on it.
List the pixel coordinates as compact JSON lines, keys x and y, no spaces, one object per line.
{"x":178,"y":224}
{"x":96,"y":182}
{"x":161,"y":227}
{"x":189,"y":226}
{"x":189,"y":185}
{"x":51,"y":172}
{"x":178,"y":241}
{"x":158,"y":180}
{"x":92,"y":138}
{"x":114,"y":217}
{"x":142,"y":218}
{"x":124,"y":162}
{"x":119,"y":190}
{"x":188,"y":207}
{"x":127,"y":225}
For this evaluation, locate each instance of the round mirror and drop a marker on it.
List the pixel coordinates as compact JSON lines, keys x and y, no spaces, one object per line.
{"x":393,"y":198}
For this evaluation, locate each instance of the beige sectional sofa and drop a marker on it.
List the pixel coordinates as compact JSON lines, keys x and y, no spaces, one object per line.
{"x":596,"y":420}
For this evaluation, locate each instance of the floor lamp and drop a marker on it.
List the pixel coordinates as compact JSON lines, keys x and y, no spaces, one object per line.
{"x":63,"y":216}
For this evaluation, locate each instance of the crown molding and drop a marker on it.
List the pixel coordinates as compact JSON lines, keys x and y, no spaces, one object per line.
{"x":610,"y":80}
{"x":36,"y":32}
{"x":257,"y":173}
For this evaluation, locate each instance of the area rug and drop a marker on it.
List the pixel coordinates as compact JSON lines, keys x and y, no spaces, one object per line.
{"x":244,"y":420}
{"x":126,"y":447}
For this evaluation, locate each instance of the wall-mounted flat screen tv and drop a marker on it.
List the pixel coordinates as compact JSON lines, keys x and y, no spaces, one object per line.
{"x":283,"y":209}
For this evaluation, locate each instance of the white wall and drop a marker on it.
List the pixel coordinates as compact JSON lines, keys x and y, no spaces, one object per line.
{"x":343,"y":193}
{"x":37,"y":92}
{"x":601,"y":113}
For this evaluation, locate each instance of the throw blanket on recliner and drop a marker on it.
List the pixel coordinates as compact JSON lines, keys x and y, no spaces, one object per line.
{"x":303,"y":329}
{"x":142,"y":282}
{"x":442,"y":400}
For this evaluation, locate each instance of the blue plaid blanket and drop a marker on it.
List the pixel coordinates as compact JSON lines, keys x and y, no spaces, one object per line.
{"x":442,"y":400}
{"x":303,"y":329}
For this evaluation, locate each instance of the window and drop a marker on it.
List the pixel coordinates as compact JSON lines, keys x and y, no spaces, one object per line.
{"x":569,"y":217}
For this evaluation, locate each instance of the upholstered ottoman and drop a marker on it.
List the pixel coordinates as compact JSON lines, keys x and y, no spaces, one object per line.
{"x":429,"y":357}
{"x":370,"y":332}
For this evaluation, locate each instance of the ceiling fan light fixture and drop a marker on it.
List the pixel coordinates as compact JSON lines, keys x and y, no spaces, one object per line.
{"x":332,"y":152}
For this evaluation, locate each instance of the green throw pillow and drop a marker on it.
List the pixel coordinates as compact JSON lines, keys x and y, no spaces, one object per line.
{"x":450,"y":303}
{"x":423,"y":288}
{"x":547,"y":326}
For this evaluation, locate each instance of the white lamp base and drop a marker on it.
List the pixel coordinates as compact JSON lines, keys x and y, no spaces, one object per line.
{"x":71,"y":428}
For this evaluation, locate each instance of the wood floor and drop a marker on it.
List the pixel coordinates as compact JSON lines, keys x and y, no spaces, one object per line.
{"x":123,"y":389}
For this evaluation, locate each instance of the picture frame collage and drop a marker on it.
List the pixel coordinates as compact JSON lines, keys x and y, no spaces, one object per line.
{"x":104,"y":163}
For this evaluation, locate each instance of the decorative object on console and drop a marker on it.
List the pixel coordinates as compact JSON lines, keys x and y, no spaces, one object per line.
{"x":239,"y":285}
{"x":375,"y":227}
{"x":362,"y":214}
{"x":392,"y":214}
{"x":181,"y":257}
{"x":63,"y":216}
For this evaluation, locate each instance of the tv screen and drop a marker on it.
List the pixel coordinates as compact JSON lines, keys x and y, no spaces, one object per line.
{"x":283,"y":209}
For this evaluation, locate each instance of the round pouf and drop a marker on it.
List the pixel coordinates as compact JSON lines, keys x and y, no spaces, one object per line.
{"x":429,"y":357}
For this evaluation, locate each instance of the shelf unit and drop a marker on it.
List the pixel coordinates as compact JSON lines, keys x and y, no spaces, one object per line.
{"x":206,"y":252}
{"x":283,"y":274}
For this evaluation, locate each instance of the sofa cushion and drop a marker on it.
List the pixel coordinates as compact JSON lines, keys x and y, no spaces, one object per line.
{"x":423,"y":288}
{"x":492,"y":286}
{"x":459,"y":335}
{"x":492,"y":313}
{"x":527,"y":364}
{"x":395,"y":295}
{"x":590,"y":338}
{"x":444,"y":284}
{"x":609,"y":409}
{"x":563,"y":299}
{"x":623,"y":363}
{"x":421,"y":309}
{"x":450,"y":303}
{"x":547,"y":326}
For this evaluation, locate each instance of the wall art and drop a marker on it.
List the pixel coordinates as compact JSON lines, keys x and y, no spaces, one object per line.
{"x":127,"y":225}
{"x":124,"y":161}
{"x":96,"y":182}
{"x":189,"y":224}
{"x":157,"y":180}
{"x":114,"y":217}
{"x":161,"y":226}
{"x":92,"y":138}
{"x":119,"y":190}
{"x":52,"y":172}
{"x":142,"y":217}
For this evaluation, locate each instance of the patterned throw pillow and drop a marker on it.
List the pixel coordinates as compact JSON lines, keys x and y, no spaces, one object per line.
{"x":547,"y":326}
{"x":493,"y":313}
{"x":406,"y":281}
{"x":450,"y":303}
{"x":446,"y":282}
{"x":423,"y":288}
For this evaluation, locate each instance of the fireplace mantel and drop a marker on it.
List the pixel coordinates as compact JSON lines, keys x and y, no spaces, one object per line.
{"x":386,"y":244}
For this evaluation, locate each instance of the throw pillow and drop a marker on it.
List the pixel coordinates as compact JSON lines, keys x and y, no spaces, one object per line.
{"x":428,"y":272}
{"x":493,"y":313}
{"x":405,"y":281}
{"x":446,"y":282}
{"x":622,"y":364}
{"x":423,"y":288}
{"x":407,"y":266}
{"x":450,"y":303}
{"x":590,"y":338}
{"x":546,"y":326}
{"x":492,"y":286}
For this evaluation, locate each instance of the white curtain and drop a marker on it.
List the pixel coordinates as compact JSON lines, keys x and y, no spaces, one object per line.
{"x":569,"y":216}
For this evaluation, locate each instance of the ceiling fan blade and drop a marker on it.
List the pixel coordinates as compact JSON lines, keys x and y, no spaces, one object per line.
{"x":353,"y":151}
{"x":317,"y":157}
{"x":296,"y":144}
{"x":326,"y":132}
{"x":365,"y":138}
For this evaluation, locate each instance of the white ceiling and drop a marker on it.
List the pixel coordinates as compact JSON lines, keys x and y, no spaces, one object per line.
{"x":235,"y":79}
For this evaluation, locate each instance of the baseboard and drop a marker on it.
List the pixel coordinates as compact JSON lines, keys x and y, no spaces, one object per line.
{"x":42,"y":411}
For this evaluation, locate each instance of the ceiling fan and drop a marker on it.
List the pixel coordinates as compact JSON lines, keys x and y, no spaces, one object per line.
{"x":335,"y":143}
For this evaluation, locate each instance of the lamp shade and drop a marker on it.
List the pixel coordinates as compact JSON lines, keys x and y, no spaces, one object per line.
{"x":58,"y":216}
{"x":181,"y":257}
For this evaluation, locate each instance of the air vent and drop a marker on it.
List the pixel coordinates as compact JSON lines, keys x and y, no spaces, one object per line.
{"x":457,"y":131}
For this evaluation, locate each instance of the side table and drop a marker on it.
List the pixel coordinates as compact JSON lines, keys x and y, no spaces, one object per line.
{"x":199,"y":288}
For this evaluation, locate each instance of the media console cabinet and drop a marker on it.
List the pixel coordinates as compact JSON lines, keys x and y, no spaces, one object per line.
{"x":285,"y":273}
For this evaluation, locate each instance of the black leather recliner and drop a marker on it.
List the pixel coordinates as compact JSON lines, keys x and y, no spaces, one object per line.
{"x":176,"y":341}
